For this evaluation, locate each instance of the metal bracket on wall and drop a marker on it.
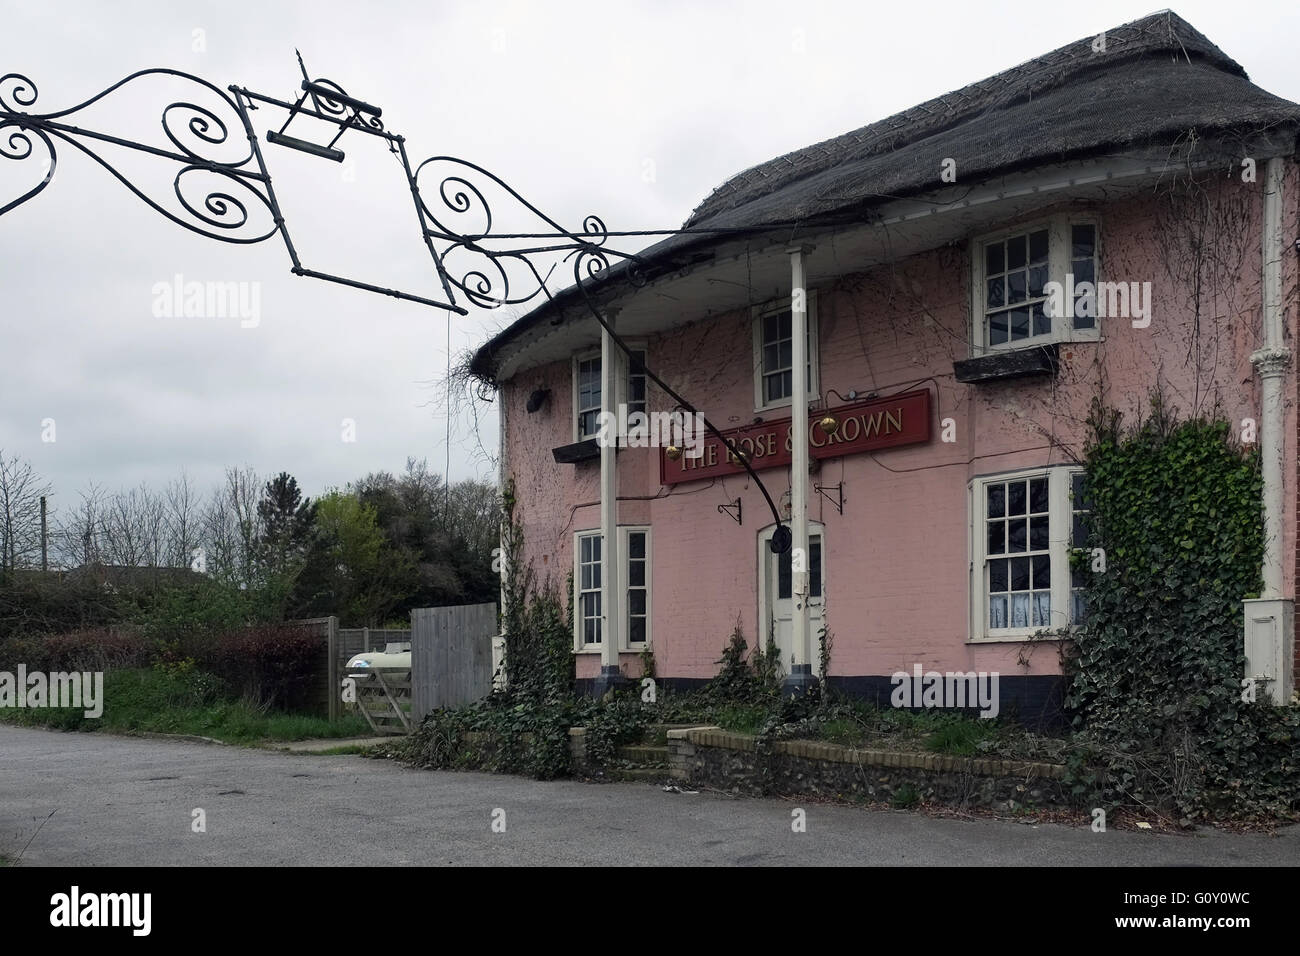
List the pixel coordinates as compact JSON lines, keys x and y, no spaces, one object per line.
{"x":727,"y":510}
{"x":838,"y":500}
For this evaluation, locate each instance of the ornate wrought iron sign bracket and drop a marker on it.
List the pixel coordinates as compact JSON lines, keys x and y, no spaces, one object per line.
{"x":227,"y":194}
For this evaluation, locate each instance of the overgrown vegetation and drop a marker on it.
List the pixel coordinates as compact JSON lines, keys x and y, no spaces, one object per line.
{"x":1155,"y":673}
{"x":184,"y":701}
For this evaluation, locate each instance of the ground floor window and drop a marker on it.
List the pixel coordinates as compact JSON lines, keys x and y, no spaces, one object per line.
{"x":1023,"y":526}
{"x":634,"y":582}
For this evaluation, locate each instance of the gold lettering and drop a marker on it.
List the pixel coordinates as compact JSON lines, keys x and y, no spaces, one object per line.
{"x":771,"y":443}
{"x":713,"y":454}
{"x":896,"y":422}
{"x":812,"y":435}
{"x":873,"y":426}
{"x":857,"y":429}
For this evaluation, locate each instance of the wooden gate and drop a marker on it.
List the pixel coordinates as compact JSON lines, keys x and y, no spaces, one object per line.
{"x":451,"y":656}
{"x":383,"y":696}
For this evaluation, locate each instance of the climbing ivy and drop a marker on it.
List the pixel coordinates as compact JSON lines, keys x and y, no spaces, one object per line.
{"x":1154,"y":675}
{"x":525,"y":726}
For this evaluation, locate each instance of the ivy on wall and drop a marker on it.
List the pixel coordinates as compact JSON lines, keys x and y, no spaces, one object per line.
{"x":1155,"y":673}
{"x":526,"y":724}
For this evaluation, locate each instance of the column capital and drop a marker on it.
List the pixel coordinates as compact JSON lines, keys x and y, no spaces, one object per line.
{"x":1271,"y":362}
{"x":800,"y":247}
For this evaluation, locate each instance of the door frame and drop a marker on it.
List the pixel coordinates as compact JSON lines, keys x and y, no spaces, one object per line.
{"x":763,"y":554}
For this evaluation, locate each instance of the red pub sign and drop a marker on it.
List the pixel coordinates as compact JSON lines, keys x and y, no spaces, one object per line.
{"x":863,"y":426}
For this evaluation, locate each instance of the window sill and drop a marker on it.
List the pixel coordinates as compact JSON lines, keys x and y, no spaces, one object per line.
{"x":1023,"y":638}
{"x":1009,"y":364}
{"x":579,"y":451}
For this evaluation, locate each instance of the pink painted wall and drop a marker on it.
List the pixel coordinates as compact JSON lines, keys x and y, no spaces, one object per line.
{"x":897,"y":585}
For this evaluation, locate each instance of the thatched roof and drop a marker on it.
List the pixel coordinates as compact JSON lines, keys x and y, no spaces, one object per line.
{"x":1158,"y":80}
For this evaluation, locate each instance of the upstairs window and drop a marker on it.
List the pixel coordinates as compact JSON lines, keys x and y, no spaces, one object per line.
{"x":586,"y":391}
{"x":1011,"y":272}
{"x":774,"y":355}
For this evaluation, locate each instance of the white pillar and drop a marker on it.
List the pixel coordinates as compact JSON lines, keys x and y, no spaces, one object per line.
{"x":1269,"y":620}
{"x":801,"y":672}
{"x":610,"y":597}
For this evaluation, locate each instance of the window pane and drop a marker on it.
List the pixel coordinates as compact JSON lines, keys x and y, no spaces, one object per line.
{"x":995,"y":299}
{"x":1079,"y":531}
{"x":997,"y":612}
{"x":589,"y":631}
{"x":998,"y":575}
{"x":1016,"y":252}
{"x":636,"y":574}
{"x":1042,"y":568}
{"x":770,"y":328}
{"x":993,"y":259}
{"x":783,"y":573}
{"x":1017,"y":536}
{"x":1020,"y":574}
{"x":1017,"y":284}
{"x":1038,"y":533}
{"x":1037,"y":279}
{"x":1019,"y":323}
{"x":785,"y":321}
{"x":1083,"y":242}
{"x":1020,"y":610}
{"x":636,"y":630}
{"x":1016,"y":497}
{"x":636,"y":601}
{"x":996,"y":500}
{"x":1038,"y":246}
{"x":998,"y":328}
{"x":996,"y":537}
{"x":785,"y":354}
{"x":771,"y":361}
{"x":815,"y":567}
{"x":1038,"y":495}
{"x":1042,"y":608}
{"x":636,"y":545}
{"x":1042,"y":321}
{"x":1083,"y":271}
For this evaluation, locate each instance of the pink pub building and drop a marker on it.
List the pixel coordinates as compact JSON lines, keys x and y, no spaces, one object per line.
{"x":901,"y":330}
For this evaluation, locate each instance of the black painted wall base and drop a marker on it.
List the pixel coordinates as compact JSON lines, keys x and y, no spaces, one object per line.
{"x":1036,"y":702}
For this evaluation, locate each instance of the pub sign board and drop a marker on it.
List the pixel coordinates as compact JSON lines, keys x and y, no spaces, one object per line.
{"x":863,"y":426}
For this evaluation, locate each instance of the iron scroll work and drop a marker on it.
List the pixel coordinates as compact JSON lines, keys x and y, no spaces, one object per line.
{"x":223,"y":191}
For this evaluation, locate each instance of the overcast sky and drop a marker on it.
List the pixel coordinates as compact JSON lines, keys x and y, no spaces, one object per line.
{"x":633,"y":111}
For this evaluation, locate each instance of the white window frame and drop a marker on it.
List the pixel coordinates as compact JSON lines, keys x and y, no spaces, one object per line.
{"x":1060,"y":521}
{"x":586,"y":356}
{"x":757,"y":314}
{"x":1058,"y":265}
{"x":624,"y":628}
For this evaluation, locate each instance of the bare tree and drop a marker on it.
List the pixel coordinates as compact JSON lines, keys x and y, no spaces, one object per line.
{"x":181,"y":509}
{"x":77,"y":539}
{"x":21,"y":490}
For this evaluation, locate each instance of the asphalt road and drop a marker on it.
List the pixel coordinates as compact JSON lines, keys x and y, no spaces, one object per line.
{"x":130,"y":801}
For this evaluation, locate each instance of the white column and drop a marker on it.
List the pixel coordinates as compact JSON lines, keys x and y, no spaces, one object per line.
{"x":610,"y":597}
{"x":801,"y":673}
{"x":1270,"y":619}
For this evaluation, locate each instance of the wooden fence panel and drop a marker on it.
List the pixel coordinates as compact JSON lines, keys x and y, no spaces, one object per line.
{"x":451,"y":656}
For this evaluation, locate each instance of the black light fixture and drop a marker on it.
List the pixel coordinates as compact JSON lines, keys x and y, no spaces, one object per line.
{"x":537,"y":399}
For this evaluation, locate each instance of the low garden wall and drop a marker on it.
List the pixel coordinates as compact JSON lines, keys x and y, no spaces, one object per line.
{"x":707,"y":756}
